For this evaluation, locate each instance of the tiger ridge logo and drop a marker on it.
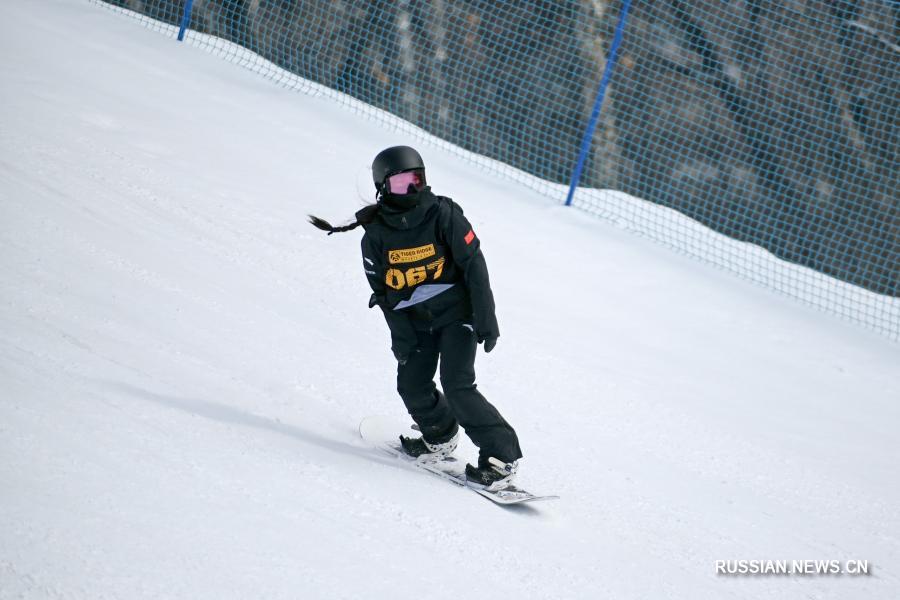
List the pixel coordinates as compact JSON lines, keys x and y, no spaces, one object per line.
{"x":410,"y":255}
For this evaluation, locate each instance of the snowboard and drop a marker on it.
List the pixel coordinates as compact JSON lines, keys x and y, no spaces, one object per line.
{"x":382,"y":433}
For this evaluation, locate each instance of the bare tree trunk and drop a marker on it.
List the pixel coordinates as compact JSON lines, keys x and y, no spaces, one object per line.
{"x":439,"y":79}
{"x":410,"y":95}
{"x":605,"y":154}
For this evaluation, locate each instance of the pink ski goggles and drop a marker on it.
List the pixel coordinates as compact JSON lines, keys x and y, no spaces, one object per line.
{"x":399,"y":183}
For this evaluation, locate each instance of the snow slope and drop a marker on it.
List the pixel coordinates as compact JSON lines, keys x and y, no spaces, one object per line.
{"x":184,"y":361}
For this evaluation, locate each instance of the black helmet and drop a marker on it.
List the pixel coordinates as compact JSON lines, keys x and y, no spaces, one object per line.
{"x":395,"y":159}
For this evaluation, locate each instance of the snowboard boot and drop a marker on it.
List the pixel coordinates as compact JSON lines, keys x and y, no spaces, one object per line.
{"x":421,"y":449}
{"x":491,"y":473}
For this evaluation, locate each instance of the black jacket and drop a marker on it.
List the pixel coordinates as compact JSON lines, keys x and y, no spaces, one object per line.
{"x":431,"y":248}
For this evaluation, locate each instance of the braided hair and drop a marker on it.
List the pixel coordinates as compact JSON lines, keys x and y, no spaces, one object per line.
{"x":365,"y":216}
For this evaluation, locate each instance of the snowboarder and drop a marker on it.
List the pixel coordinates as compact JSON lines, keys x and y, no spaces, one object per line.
{"x":429,"y":277}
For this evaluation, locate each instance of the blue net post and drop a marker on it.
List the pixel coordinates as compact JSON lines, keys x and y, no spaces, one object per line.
{"x":185,"y":19}
{"x":598,"y":103}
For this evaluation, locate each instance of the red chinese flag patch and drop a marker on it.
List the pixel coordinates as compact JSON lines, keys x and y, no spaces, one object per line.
{"x":470,"y":236}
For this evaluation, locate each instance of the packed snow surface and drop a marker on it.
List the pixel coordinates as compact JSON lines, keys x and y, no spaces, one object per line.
{"x":184,"y":362}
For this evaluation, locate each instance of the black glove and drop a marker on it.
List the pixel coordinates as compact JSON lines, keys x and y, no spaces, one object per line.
{"x":404,"y":340}
{"x":489,"y":341}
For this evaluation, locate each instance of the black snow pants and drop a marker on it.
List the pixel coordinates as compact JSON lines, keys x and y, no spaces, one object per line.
{"x":436,"y":414}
